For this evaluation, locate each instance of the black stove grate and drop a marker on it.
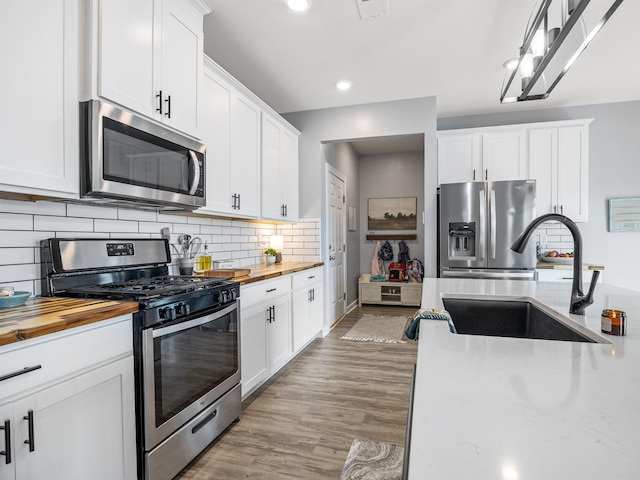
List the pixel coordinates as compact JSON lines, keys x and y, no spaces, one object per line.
{"x":147,"y":288}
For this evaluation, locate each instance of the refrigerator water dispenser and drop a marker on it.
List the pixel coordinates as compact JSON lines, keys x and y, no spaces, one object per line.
{"x":462,"y":239}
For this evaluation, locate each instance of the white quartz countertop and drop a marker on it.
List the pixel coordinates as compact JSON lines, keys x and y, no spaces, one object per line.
{"x":525,"y":409}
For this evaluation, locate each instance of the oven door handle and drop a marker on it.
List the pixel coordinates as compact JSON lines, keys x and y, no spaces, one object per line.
{"x":196,"y":322}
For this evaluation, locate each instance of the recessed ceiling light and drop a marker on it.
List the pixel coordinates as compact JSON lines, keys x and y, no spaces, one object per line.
{"x":343,"y":85}
{"x":299,"y":5}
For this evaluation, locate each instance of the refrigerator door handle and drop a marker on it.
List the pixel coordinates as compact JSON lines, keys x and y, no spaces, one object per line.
{"x":480,"y":235}
{"x":492,"y":224}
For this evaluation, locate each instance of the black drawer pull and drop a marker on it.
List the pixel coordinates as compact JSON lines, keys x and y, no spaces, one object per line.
{"x":19,"y":372}
{"x":271,"y":290}
{"x":7,"y":441}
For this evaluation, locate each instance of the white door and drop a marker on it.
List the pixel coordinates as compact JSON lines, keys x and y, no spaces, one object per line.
{"x":336,"y":244}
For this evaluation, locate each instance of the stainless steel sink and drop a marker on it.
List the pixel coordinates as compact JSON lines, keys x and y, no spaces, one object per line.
{"x":518,"y":317}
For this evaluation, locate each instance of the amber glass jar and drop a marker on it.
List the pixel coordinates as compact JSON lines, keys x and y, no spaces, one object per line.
{"x":613,"y":322}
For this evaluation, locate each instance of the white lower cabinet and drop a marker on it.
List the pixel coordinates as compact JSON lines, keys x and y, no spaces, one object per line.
{"x":73,"y":416}
{"x":265,"y":334}
{"x":307,"y":302}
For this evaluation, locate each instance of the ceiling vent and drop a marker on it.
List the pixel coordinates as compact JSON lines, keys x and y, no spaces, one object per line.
{"x":372,"y":9}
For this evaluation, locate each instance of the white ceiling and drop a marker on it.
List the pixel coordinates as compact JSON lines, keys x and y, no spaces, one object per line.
{"x":451,"y":49}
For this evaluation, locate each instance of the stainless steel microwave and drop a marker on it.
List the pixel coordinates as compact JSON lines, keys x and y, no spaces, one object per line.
{"x":128,"y":161}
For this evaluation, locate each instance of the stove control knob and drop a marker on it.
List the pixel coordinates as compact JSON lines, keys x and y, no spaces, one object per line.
{"x":224,"y":296}
{"x":183,"y":309}
{"x":168,"y":313}
{"x":234,"y":297}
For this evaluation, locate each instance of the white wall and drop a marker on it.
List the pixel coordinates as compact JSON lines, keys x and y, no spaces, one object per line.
{"x":614,"y":172}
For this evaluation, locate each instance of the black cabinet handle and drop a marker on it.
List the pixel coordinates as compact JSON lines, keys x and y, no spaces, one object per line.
{"x":159,"y":97}
{"x":31,"y":440}
{"x":486,"y":174}
{"x":19,"y":372}
{"x":271,"y":290}
{"x":7,"y":441}
{"x":474,"y":174}
{"x":269,"y":319}
{"x":238,"y":201}
{"x":168,"y":102}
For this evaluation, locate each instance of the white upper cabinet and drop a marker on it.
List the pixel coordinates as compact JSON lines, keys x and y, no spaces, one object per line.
{"x":279,"y":170}
{"x":559,"y":161}
{"x":39,"y":97}
{"x":148,"y":58}
{"x":478,"y":155}
{"x":245,"y":156}
{"x":231,"y":131}
{"x":459,"y":157}
{"x":504,"y":155}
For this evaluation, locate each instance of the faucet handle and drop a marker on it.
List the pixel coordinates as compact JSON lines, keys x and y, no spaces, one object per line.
{"x":580,"y":303}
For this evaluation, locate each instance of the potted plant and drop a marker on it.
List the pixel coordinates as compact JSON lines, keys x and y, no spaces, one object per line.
{"x":271,"y":254}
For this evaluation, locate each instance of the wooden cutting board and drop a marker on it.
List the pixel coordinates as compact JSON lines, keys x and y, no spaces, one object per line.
{"x":227,"y":272}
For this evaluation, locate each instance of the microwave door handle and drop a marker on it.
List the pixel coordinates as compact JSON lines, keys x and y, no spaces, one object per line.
{"x":196,"y":173}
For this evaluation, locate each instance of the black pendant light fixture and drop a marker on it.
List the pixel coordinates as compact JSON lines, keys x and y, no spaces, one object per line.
{"x":554,"y":38}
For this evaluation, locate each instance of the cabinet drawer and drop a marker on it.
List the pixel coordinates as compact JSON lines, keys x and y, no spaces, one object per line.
{"x":303,"y":279}
{"x":264,"y":290}
{"x":63,"y":353}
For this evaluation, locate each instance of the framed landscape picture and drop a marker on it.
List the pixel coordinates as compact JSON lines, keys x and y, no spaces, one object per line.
{"x":397,"y":213}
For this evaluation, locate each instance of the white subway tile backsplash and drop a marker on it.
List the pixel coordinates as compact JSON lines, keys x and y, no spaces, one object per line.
{"x":115,"y":226}
{"x":25,"y":224}
{"x":91,"y":211}
{"x":40,"y":208}
{"x":153,"y":227}
{"x":210,"y":229}
{"x":231,"y":230}
{"x":23,"y":239}
{"x":16,"y":221}
{"x":67,"y":224}
{"x":199,"y":220}
{"x":140,"y":215}
{"x":13,"y":256}
{"x":166,"y":217}
{"x":17,"y":273}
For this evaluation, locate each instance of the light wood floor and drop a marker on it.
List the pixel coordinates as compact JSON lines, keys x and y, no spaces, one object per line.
{"x":300,"y":424}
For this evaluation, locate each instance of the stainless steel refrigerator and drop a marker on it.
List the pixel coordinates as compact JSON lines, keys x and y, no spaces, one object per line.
{"x":478,"y":223}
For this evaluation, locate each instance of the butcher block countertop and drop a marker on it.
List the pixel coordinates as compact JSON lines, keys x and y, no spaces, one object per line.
{"x":44,"y":315}
{"x":264,"y":271}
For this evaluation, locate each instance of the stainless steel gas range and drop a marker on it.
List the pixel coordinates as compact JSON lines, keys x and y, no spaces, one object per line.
{"x":186,"y":341}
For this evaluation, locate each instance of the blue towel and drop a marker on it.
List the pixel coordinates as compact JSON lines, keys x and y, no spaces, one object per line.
{"x":428,"y":314}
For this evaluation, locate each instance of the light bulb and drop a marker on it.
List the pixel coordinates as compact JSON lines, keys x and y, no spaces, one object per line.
{"x":526,"y":66}
{"x":537,"y":44}
{"x":343,"y":85}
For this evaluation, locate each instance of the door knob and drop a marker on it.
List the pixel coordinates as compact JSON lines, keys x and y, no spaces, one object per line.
{"x":332,"y":257}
